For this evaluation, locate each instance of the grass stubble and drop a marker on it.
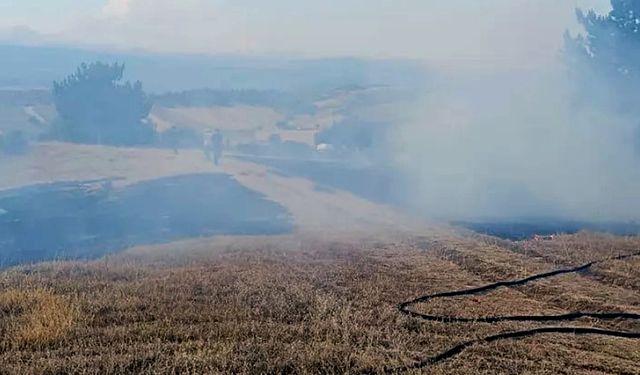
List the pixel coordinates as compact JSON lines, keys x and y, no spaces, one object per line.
{"x":322,"y":308}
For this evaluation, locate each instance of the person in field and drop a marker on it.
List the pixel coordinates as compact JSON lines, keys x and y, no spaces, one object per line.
{"x":214,"y":144}
{"x":206,"y":143}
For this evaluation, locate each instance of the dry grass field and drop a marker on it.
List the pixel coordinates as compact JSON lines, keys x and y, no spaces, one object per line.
{"x":228,"y":119}
{"x":320,"y":300}
{"x":246,"y":124}
{"x":314,"y":306}
{"x":56,"y":161}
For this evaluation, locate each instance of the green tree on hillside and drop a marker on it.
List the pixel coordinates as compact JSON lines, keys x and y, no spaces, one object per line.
{"x":95,"y":106}
{"x":605,"y":60}
{"x":609,"y":51}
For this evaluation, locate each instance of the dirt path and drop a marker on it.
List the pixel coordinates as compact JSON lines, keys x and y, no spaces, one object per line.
{"x":316,"y":209}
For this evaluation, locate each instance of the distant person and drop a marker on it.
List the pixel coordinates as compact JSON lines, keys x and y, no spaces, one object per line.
{"x":206,"y":144}
{"x":217,"y":145}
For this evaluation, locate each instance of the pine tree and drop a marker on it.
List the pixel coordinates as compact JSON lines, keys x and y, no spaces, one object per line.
{"x":96,"y":107}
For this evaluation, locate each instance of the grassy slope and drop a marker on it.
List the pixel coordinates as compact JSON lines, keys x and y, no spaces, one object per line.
{"x":312,"y":306}
{"x":55,"y":161}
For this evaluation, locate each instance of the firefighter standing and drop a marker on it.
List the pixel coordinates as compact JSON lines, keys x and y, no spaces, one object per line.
{"x":216,"y":145}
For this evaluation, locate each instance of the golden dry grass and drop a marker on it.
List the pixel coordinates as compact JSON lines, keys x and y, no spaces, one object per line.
{"x":236,"y":118}
{"x":33,"y":318}
{"x":322,"y":308}
{"x":57,"y":161}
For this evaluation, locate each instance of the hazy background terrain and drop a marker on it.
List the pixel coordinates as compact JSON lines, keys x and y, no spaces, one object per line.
{"x":493,"y":111}
{"x":519,"y":30}
{"x":255,"y":187}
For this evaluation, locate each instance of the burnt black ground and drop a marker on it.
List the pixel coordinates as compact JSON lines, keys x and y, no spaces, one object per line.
{"x":70,"y":221}
{"x":521,"y":229}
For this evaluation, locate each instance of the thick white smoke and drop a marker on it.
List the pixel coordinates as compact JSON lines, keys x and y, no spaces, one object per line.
{"x":515,"y":143}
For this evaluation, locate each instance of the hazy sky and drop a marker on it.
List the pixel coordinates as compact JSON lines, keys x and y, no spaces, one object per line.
{"x":424,"y":29}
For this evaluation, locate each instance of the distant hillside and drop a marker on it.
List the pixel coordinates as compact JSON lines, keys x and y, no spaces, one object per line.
{"x":36,"y":67}
{"x":284,"y":101}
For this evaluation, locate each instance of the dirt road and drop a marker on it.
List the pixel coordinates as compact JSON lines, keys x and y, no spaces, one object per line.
{"x":318,"y":209}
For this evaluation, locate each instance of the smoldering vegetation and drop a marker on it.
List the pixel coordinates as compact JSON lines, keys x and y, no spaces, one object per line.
{"x":282,"y":270}
{"x":526,"y":228}
{"x":115,"y":119}
{"x":500,"y":147}
{"x":515,"y":143}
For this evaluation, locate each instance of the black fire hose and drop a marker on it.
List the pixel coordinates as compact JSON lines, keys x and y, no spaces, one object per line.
{"x":405,"y":308}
